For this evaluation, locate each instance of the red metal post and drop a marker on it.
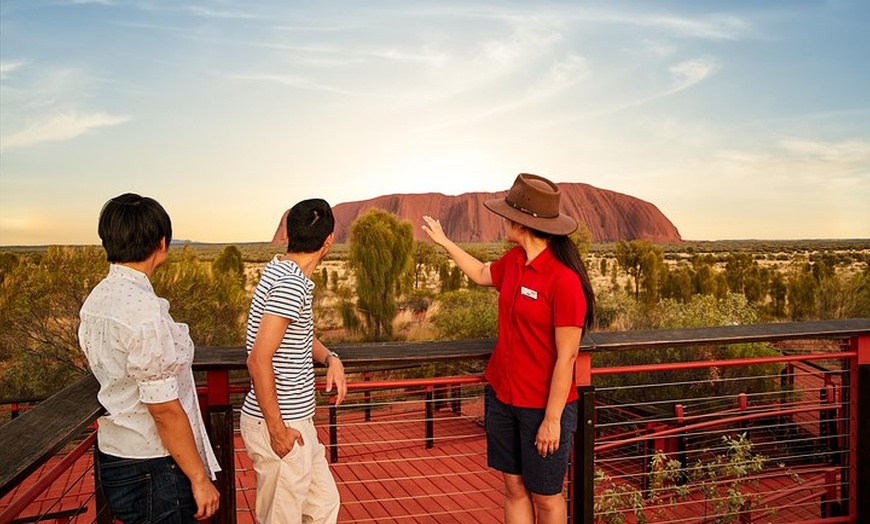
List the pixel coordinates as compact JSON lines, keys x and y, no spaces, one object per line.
{"x":581,"y":510}
{"x":218,"y":387}
{"x":220,"y":431}
{"x":430,"y":417}
{"x":859,"y":414}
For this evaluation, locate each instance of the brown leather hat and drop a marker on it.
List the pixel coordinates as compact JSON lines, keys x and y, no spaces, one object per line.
{"x":533,"y":201}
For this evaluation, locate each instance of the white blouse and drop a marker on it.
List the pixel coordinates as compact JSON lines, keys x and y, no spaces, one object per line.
{"x":140,"y":356}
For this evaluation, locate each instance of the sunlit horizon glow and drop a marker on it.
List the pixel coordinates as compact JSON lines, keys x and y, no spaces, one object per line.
{"x":738,"y":120}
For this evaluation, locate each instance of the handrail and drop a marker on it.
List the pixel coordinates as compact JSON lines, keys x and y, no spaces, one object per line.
{"x":411,"y":352}
{"x":29,"y":440}
{"x":12,"y":511}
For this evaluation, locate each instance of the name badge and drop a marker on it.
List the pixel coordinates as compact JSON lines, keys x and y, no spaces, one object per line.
{"x":531,"y":293}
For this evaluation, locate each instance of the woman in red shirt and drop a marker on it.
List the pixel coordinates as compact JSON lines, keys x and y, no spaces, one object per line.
{"x":545,"y":300}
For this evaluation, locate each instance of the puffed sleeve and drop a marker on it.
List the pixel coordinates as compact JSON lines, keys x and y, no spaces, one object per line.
{"x":154,"y":362}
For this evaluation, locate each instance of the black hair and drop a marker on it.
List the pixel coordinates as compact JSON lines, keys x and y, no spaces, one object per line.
{"x":131,"y":227}
{"x":567,"y":253}
{"x":309,"y":223}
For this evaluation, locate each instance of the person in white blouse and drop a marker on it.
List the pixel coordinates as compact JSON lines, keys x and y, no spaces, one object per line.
{"x":155,"y":460}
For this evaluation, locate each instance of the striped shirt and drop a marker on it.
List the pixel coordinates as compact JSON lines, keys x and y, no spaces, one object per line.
{"x":285,"y":291}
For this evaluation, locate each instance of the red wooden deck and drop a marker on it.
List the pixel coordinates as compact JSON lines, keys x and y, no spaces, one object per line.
{"x":385,"y":473}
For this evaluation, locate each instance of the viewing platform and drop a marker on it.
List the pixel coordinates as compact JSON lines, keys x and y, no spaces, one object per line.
{"x":755,"y":423}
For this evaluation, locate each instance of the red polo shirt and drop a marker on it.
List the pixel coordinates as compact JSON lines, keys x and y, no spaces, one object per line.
{"x":532,"y":301}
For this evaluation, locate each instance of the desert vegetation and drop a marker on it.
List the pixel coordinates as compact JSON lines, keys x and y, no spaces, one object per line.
{"x":383,"y":285}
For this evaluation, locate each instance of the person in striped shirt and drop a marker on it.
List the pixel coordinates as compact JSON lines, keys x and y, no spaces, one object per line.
{"x":294,"y":483}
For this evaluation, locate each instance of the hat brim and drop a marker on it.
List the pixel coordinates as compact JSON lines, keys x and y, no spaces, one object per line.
{"x":561,"y":225}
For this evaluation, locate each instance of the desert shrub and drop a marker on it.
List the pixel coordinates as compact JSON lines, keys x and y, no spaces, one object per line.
{"x":467,"y":314}
{"x":727,"y":480}
{"x":39,"y":318}
{"x":212,"y":303}
{"x":229,"y":261}
{"x":672,"y":385}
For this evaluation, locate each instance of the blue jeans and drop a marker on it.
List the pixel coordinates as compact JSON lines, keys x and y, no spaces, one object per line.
{"x":146,"y":491}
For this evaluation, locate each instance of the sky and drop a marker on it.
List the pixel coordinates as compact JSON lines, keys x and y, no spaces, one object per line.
{"x":739,"y":119}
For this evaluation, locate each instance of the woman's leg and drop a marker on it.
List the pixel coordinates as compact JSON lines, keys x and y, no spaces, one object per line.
{"x":518,"y":507}
{"x":551,"y":509}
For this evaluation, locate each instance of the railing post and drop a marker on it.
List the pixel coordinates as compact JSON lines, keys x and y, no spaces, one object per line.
{"x":830,"y":502}
{"x":682,"y":447}
{"x":220,"y":432}
{"x":367,"y":395}
{"x":430,"y":417}
{"x":828,"y":420}
{"x":859,"y":470}
{"x":333,"y":431}
{"x":456,"y":399}
{"x":221,"y":436}
{"x":581,"y":510}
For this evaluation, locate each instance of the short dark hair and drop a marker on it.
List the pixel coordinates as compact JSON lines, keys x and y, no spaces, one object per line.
{"x":309,"y":223}
{"x":131,"y":227}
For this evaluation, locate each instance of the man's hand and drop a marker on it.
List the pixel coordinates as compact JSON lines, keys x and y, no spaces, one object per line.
{"x":282,"y":439}
{"x":207,"y":498}
{"x":335,"y":376}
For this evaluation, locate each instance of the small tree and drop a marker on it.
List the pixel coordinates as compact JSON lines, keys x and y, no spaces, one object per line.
{"x":230,"y":262}
{"x":380,"y":254}
{"x":582,"y":238}
{"x":450,"y":277}
{"x":644,"y":263}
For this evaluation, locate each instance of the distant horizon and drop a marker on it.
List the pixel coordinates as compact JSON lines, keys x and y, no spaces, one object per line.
{"x":738,"y":119}
{"x":182,"y":242}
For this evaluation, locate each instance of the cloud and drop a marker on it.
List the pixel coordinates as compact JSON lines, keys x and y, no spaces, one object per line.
{"x":715,"y":27}
{"x":214,"y":13}
{"x":7,"y":67}
{"x":657,"y":49}
{"x":299,"y":82}
{"x":849,"y":152}
{"x":63,"y":126}
{"x":690,"y":72}
{"x":810,"y":163}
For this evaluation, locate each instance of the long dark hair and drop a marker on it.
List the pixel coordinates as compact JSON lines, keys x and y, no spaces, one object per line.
{"x":567,"y":253}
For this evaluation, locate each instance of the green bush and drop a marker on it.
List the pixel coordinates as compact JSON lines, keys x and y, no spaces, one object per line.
{"x":467,"y":314}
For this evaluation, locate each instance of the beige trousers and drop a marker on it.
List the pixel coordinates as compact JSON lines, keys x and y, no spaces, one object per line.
{"x":296,"y":489}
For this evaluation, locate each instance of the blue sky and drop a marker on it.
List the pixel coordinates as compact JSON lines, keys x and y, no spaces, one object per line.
{"x":738,"y":119}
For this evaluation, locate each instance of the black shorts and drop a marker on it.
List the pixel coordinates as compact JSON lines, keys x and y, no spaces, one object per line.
{"x":510,"y":444}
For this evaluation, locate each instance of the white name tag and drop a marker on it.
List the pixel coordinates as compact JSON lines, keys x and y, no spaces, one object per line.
{"x":531,"y":293}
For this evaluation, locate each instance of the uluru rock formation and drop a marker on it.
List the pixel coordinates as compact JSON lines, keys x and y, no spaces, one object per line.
{"x":610,"y":216}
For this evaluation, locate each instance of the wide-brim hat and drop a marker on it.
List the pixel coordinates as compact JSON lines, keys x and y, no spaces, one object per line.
{"x":533,"y":201}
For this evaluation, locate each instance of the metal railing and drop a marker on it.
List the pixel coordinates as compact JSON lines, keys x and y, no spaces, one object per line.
{"x":698,"y":428}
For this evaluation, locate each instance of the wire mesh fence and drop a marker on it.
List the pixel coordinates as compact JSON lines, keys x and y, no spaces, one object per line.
{"x":738,"y":432}
{"x":737,"y":441}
